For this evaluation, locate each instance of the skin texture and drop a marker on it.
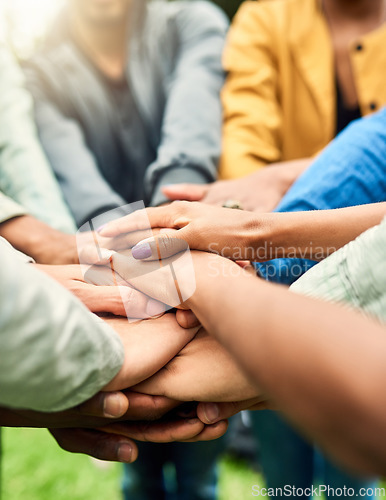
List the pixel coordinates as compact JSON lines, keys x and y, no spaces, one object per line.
{"x":149,"y":345}
{"x":49,"y":246}
{"x":258,"y":192}
{"x":95,"y":288}
{"x":88,"y":430}
{"x":200,"y":372}
{"x":314,"y":349}
{"x":105,"y":426}
{"x":348,"y":21}
{"x":241,"y":235}
{"x":331,"y":374}
{"x":38,"y":240}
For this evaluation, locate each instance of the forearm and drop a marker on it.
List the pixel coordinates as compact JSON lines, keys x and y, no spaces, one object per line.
{"x":40,"y":241}
{"x":330,"y":373}
{"x":312,"y":235}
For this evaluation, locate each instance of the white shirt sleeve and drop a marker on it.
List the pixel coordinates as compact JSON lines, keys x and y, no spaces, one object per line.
{"x":54,"y":353}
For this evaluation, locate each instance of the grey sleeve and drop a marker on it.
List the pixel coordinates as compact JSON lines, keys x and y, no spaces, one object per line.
{"x":85,"y":189}
{"x":9,"y":209}
{"x":25,"y":175}
{"x":54,"y":353}
{"x":191,"y":131}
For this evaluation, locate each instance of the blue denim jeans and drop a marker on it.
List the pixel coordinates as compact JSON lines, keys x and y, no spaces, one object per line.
{"x":191,"y":475}
{"x":350,"y":171}
{"x":287,"y":459}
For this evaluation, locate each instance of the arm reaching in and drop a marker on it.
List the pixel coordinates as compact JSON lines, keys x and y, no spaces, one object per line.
{"x":202,"y":371}
{"x":97,"y":287}
{"x":240,"y":235}
{"x":320,"y":363}
{"x":43,"y":243}
{"x":260,"y":191}
{"x":91,"y":427}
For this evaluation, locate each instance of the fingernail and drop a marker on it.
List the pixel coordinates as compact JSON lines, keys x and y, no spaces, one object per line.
{"x":99,"y":229}
{"x":141,"y":251}
{"x":112,"y":406}
{"x":155,"y":308}
{"x":211,"y":412}
{"x":124,"y":452}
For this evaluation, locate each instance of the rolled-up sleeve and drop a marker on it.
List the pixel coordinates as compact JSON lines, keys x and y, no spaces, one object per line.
{"x":191,"y":130}
{"x":54,"y":353}
{"x":9,"y":208}
{"x":25,"y":175}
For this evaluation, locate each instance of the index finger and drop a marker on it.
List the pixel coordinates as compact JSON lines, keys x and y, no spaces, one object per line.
{"x":139,"y":221}
{"x":158,"y":432}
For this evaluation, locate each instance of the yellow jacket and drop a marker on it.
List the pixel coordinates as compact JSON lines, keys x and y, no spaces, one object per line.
{"x":280,"y":97}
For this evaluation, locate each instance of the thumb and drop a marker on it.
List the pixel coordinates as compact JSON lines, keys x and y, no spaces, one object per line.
{"x":210,"y":413}
{"x":187,"y":192}
{"x":161,"y":247}
{"x":105,"y":404}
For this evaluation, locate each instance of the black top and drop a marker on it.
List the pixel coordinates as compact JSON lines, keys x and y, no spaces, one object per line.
{"x":344,"y":114}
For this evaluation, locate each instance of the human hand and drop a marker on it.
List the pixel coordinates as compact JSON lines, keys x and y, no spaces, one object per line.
{"x":93,"y":248}
{"x":100,"y":410}
{"x":234,"y":234}
{"x":97,"y":288}
{"x":40,"y":241}
{"x":202,"y":371}
{"x":174,"y":281}
{"x":76,"y":430}
{"x":114,"y":442}
{"x":149,"y":345}
{"x":210,"y":413}
{"x":260,"y":191}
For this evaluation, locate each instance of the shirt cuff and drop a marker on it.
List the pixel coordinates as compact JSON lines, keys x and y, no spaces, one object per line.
{"x":20,"y":255}
{"x":176,"y":175}
{"x":9,"y":209}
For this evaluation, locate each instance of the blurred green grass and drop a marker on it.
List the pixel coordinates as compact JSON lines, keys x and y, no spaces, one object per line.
{"x":35,"y":468}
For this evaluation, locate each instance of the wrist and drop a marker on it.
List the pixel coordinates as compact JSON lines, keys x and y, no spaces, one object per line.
{"x":56,"y":248}
{"x":40,"y":241}
{"x":261,"y":234}
{"x":281,"y":235}
{"x":209,"y":269}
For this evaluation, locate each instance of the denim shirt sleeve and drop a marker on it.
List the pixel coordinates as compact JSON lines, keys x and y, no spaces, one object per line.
{"x":350,"y":171}
{"x":191,"y":130}
{"x":25,"y":175}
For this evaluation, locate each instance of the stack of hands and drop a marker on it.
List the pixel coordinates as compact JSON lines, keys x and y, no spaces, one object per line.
{"x":177,"y":383}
